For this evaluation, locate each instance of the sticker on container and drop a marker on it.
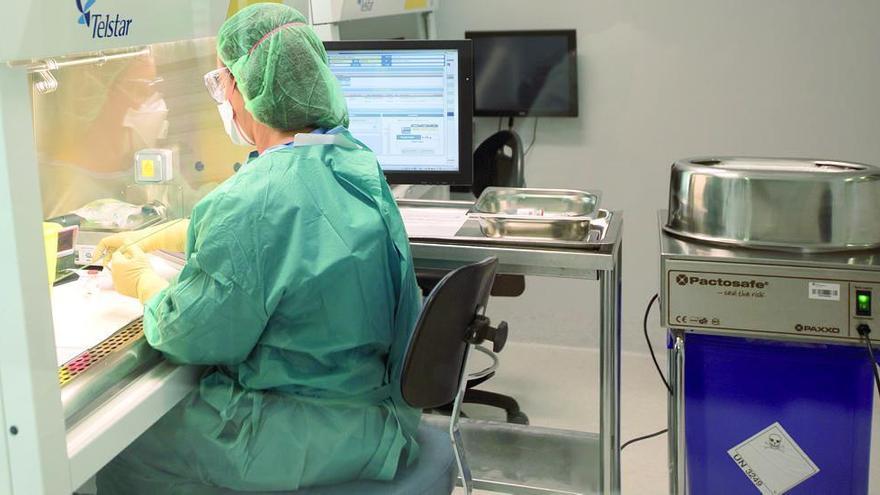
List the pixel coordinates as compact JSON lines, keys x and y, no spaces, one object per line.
{"x":824,"y":291}
{"x":84,"y":254}
{"x":530,"y":212}
{"x":773,"y":461}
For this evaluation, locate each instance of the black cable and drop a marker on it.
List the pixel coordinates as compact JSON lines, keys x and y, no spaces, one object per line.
{"x":656,"y":365}
{"x":534,"y":135}
{"x":499,"y":123}
{"x":639,"y":439}
{"x":874,"y":363}
{"x":865,"y":331}
{"x":510,"y":123}
{"x":648,"y":341}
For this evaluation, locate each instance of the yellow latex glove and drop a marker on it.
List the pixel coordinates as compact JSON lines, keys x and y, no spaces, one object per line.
{"x":133,"y":276}
{"x":169,"y":236}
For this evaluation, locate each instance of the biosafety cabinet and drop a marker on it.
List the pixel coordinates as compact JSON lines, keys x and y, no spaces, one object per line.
{"x":105,"y":126}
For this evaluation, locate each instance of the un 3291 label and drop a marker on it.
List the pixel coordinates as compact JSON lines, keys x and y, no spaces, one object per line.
{"x":824,"y":291}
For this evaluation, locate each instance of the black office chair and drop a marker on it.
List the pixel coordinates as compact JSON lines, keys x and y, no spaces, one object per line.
{"x":498,"y":161}
{"x":502,"y":286}
{"x":451,"y":323}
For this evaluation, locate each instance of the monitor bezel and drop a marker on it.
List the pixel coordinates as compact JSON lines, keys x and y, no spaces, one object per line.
{"x":464,"y":175}
{"x":571,"y":36}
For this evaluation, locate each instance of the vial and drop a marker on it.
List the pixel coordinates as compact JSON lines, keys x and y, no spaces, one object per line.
{"x":91,"y":282}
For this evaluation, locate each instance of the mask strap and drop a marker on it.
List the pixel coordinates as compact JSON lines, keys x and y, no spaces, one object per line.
{"x":270,"y":33}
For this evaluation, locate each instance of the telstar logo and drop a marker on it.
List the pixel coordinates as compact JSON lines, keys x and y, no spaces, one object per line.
{"x":85,"y":17}
{"x":103,"y":25}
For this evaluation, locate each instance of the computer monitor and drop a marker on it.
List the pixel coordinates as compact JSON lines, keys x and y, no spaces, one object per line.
{"x":411,"y":102}
{"x":525,"y":73}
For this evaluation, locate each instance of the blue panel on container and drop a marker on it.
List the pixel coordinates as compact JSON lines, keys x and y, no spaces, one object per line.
{"x":821,"y":394}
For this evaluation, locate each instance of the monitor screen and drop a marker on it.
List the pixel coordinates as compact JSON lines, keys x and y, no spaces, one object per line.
{"x":410,"y":102}
{"x":519,"y":73}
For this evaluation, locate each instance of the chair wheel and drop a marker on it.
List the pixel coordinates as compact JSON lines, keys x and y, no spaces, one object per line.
{"x":518,"y":418}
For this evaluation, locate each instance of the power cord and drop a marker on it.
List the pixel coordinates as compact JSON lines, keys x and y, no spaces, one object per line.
{"x":651,"y":347}
{"x":645,"y":437}
{"x":865,"y":331}
{"x":534,"y":136}
{"x":657,"y":366}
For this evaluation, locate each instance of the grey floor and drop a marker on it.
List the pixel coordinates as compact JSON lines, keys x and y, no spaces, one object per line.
{"x":558,"y":387}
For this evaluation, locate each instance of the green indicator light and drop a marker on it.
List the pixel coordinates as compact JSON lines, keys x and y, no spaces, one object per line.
{"x":863,"y":303}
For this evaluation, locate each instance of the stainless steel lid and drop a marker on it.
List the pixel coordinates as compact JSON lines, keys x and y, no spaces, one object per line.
{"x":776,"y":203}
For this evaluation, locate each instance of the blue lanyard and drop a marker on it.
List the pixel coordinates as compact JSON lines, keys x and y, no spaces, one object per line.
{"x":253,"y":155}
{"x":278,"y":147}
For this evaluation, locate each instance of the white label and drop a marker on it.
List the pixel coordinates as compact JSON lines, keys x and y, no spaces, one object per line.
{"x":773,"y":461}
{"x":824,"y":292}
{"x":530,"y":212}
{"x":84,"y":254}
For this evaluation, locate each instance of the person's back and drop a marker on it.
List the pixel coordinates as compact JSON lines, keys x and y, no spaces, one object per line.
{"x":299,"y":293}
{"x":308,"y":237}
{"x":330,"y":247}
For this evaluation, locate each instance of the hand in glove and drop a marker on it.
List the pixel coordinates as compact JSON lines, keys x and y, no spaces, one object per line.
{"x":133,"y":276}
{"x":169,"y":236}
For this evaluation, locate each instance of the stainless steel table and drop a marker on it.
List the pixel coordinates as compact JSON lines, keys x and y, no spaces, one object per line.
{"x":603,"y":264}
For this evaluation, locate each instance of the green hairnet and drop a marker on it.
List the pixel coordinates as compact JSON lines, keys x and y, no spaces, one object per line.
{"x":280,"y":67}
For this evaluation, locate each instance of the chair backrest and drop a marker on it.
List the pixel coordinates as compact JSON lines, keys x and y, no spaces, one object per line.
{"x":499,"y":161}
{"x":435,"y":358}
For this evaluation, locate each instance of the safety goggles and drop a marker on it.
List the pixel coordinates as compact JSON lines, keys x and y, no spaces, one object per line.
{"x":216,"y":82}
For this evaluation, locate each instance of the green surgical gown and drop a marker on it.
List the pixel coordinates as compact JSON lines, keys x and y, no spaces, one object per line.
{"x":299,"y":294}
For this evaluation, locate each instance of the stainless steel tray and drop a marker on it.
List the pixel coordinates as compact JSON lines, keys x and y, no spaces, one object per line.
{"x":557,"y":214}
{"x":603,"y":231}
{"x":776,"y":203}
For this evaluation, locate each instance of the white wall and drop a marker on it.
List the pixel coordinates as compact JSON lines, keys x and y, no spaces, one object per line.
{"x":660,"y":80}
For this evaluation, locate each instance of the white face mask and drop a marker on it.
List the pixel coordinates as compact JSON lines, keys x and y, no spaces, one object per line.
{"x":232,"y":128}
{"x":148,"y":123}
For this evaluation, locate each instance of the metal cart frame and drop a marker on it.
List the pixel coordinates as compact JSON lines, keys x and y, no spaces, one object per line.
{"x":602,"y":264}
